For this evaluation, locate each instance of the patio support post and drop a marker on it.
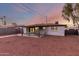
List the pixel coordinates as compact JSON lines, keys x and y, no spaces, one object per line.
{"x":26,"y":30}
{"x":34,"y":31}
{"x":22,"y":31}
{"x":39,"y":32}
{"x":29,"y":31}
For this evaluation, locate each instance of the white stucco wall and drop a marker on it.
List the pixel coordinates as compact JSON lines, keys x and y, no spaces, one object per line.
{"x":24,"y":30}
{"x":59,"y":32}
{"x":48,"y":31}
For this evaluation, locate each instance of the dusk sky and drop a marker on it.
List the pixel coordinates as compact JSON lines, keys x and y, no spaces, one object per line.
{"x":32,"y":13}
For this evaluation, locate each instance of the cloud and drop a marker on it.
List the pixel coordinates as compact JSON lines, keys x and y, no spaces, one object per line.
{"x":53,"y":13}
{"x":35,"y":20}
{"x":52,"y":16}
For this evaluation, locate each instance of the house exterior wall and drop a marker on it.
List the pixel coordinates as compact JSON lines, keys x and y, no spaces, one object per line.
{"x":59,"y":32}
{"x":43,"y":31}
{"x":24,"y":30}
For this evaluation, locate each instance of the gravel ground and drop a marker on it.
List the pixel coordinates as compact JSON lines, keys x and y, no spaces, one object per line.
{"x":45,"y":46}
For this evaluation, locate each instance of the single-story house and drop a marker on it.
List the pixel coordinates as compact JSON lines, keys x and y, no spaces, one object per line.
{"x":44,"y":29}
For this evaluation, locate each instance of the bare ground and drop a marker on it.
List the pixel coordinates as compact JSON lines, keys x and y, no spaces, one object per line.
{"x":45,"y":46}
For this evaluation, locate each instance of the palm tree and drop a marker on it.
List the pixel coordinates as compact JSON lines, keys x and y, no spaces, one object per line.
{"x":1,"y":20}
{"x":4,"y":20}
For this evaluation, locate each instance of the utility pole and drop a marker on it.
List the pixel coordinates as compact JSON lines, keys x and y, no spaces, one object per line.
{"x":4,"y":21}
{"x":1,"y":20}
{"x":46,"y":19}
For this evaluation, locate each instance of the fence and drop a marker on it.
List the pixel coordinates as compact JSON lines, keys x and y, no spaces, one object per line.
{"x":9,"y":31}
{"x":71,"y":32}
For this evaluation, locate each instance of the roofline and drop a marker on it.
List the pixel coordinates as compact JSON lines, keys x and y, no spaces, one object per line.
{"x":46,"y":25}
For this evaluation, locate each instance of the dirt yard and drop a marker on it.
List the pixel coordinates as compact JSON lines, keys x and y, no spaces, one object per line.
{"x":46,"y":46}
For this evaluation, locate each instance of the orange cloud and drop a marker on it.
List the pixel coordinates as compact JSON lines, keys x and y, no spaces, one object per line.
{"x":53,"y":15}
{"x":35,"y":20}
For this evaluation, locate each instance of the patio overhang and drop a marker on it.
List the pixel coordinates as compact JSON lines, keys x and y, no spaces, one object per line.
{"x":46,"y":25}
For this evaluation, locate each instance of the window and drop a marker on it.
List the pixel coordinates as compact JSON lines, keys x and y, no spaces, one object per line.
{"x":44,"y":27}
{"x":36,"y":29}
{"x":31,"y":29}
{"x":54,"y":28}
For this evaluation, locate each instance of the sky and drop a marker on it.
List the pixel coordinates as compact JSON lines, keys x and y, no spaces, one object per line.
{"x":32,"y":13}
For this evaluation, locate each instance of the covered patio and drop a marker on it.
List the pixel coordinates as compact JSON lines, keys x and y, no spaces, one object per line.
{"x":33,"y":30}
{"x":39,"y":29}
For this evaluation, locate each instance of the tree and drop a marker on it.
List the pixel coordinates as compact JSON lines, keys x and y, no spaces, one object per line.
{"x":71,"y":12}
{"x":76,"y":9}
{"x":56,"y":22}
{"x":67,"y":11}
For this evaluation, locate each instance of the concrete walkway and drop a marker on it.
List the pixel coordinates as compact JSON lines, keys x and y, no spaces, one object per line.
{"x":7,"y":36}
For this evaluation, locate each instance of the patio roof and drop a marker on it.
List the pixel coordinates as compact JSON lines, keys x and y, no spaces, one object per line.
{"x":46,"y":25}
